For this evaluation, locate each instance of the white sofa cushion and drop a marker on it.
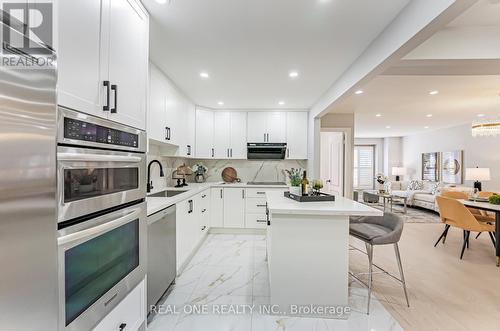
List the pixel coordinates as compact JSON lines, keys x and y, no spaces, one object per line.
{"x":424,"y":197}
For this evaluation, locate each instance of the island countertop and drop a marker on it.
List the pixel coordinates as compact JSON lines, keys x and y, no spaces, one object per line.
{"x":278,"y":204}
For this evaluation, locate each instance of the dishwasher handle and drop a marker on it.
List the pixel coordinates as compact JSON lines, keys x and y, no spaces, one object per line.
{"x":161,"y":214}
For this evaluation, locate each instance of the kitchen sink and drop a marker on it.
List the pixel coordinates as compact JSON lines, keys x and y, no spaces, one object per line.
{"x":166,"y":193}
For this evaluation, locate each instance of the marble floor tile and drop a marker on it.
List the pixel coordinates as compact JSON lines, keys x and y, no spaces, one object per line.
{"x":231,"y":271}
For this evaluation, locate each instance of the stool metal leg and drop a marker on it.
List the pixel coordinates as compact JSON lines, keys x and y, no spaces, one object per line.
{"x":369,"y":251}
{"x":398,"y":257}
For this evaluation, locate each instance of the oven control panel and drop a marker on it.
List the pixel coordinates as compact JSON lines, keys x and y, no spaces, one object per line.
{"x":85,"y":131}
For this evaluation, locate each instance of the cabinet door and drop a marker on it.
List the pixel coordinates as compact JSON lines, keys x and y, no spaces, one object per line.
{"x":238,"y":148}
{"x":204,"y":219}
{"x":222,"y":134}
{"x":204,"y":133}
{"x":296,"y":135}
{"x":157,"y":106}
{"x":234,"y":207}
{"x":276,"y":127}
{"x":79,"y":83}
{"x":216,"y":207}
{"x":128,"y":62}
{"x":257,"y":127}
{"x":183,"y":230}
{"x":190,"y":130}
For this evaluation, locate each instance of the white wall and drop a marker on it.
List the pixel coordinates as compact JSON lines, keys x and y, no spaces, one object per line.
{"x":481,"y":151}
{"x":393,"y":154}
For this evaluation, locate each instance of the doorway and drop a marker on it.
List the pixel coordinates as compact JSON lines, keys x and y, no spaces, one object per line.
{"x":332,"y":163}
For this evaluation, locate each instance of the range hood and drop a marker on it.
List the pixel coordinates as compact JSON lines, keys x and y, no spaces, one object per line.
{"x":266,"y":151}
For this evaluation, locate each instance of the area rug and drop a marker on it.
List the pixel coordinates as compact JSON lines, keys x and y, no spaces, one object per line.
{"x":413,"y":215}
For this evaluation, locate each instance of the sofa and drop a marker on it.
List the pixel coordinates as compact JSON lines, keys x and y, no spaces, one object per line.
{"x":422,"y":193}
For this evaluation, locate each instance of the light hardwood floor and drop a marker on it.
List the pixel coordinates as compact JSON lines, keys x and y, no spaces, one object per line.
{"x":446,"y":293}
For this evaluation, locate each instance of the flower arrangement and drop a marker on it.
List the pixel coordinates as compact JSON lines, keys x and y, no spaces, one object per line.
{"x":199,"y":169}
{"x":381,"y":179}
{"x":295,"y":176}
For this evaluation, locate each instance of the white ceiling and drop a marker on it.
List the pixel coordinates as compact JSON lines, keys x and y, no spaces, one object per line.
{"x":249,"y":47}
{"x":404,"y":102}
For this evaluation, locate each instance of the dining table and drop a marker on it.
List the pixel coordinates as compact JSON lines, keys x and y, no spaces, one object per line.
{"x":486,"y":206}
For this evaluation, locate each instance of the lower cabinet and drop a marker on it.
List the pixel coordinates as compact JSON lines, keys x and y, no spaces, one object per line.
{"x":192,"y":224}
{"x":234,"y":207}
{"x":130,"y":313}
{"x":217,"y":207}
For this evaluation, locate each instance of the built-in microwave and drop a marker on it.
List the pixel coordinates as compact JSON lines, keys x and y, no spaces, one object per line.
{"x":101,"y":260}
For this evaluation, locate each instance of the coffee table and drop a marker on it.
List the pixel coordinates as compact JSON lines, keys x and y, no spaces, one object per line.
{"x":389,"y":199}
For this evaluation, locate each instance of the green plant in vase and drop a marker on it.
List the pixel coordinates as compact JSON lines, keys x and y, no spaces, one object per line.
{"x":494,"y":199}
{"x":295,"y":178}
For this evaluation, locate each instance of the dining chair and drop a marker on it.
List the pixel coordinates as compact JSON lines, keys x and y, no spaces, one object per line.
{"x":454,"y":213}
{"x":480,"y":215}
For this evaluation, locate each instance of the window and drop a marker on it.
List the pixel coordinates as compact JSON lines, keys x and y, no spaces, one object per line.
{"x":364,"y":166}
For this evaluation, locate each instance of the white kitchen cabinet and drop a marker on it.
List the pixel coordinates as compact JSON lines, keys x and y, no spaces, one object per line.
{"x":203,"y":202}
{"x":238,"y":136}
{"x":216,"y":207}
{"x":222,"y":134}
{"x":131,"y":312}
{"x":128,"y":61}
{"x":204,"y":133}
{"x":184,"y":235}
{"x":234,"y":207}
{"x":79,"y":84}
{"x":266,"y":127}
{"x":102,"y":52}
{"x":157,"y":112}
{"x":296,"y":135}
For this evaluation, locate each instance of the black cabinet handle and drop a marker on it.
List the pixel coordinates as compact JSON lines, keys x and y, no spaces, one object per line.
{"x":221,"y":193}
{"x":204,"y":196}
{"x":261,"y":192}
{"x":243,"y":194}
{"x":106,"y":106}
{"x":203,"y":228}
{"x":190,"y":202}
{"x":188,"y":149}
{"x":167,"y":133}
{"x":115,"y":89}
{"x":212,"y":152}
{"x":261,"y":205}
{"x":261,"y":221}
{"x":122,"y":326}
{"x":204,"y":210}
{"x":231,"y":150}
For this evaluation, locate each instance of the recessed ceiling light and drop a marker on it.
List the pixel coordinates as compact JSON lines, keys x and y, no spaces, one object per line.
{"x":434,"y":92}
{"x":426,"y":127}
{"x":480,"y":115}
{"x":204,"y":74}
{"x":293,"y":74}
{"x":281,"y":103}
{"x":358,"y":92}
{"x":388,"y":127}
{"x":428,"y":115}
{"x":161,"y":2}
{"x":220,"y":103}
{"x":378,"y":115}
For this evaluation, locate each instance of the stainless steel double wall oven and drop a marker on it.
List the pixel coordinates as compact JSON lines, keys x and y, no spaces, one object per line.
{"x":101,"y":216}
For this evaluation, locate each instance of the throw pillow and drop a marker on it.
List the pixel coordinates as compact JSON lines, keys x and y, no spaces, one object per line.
{"x":388,"y":187}
{"x":415,"y":185}
{"x":435,"y":188}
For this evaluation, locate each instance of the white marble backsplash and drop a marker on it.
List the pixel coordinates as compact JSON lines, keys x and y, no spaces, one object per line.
{"x":251,"y":170}
{"x":169,"y":164}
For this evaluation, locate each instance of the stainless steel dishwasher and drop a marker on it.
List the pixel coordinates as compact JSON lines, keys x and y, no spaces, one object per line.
{"x":161,"y":253}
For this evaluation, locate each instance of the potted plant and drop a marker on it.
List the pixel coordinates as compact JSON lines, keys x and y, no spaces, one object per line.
{"x":199,"y":170}
{"x":295,"y":178}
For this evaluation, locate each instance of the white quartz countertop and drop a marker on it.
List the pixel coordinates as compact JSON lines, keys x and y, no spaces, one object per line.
{"x":278,"y":204}
{"x":155,"y":204}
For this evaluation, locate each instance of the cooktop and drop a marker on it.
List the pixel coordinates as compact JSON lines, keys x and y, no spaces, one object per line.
{"x":266,"y":183}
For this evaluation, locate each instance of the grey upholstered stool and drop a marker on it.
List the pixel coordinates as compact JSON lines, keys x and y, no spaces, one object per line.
{"x":383,"y":230}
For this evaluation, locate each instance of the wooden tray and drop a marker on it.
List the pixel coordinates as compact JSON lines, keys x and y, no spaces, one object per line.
{"x":310,"y":198}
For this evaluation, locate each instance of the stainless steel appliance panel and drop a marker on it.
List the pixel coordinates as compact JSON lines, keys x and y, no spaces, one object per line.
{"x":266,"y":151}
{"x":161,"y":253}
{"x":98,"y":265}
{"x":28,"y":227}
{"x":90,"y":180}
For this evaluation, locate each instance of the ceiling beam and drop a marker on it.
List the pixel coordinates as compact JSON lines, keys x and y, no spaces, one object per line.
{"x":448,"y":67}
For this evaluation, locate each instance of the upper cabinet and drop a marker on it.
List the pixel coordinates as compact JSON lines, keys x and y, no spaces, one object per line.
{"x":171,"y":115}
{"x":102,"y":52}
{"x":221,"y":134}
{"x":266,"y":127}
{"x":296,"y":135}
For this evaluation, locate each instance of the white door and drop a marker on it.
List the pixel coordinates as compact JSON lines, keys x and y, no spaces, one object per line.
{"x":332,"y":162}
{"x":257,"y":127}
{"x":238,"y":148}
{"x":204,"y":133}
{"x":276,"y":127}
{"x":296,"y":135}
{"x":222,"y":134}
{"x":217,"y":207}
{"x":157,"y":106}
{"x":128,"y":62}
{"x":234,"y":207}
{"x":79,"y":83}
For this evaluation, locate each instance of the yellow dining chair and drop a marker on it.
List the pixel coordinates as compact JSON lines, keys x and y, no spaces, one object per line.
{"x":453,"y":213}
{"x":478,"y":214}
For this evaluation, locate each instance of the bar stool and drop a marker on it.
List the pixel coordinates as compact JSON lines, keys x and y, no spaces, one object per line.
{"x":383,"y":230}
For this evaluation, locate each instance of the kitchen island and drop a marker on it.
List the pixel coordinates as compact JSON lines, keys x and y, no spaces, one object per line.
{"x":307,"y":249}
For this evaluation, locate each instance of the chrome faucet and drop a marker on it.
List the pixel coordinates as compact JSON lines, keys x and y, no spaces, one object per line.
{"x":150,"y":182}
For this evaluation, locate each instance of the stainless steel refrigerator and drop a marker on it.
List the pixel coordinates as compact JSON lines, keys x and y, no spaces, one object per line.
{"x":28,"y":222}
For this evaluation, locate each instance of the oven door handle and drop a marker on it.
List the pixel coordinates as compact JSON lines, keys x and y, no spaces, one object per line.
{"x":97,"y":158}
{"x":97,"y":230}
